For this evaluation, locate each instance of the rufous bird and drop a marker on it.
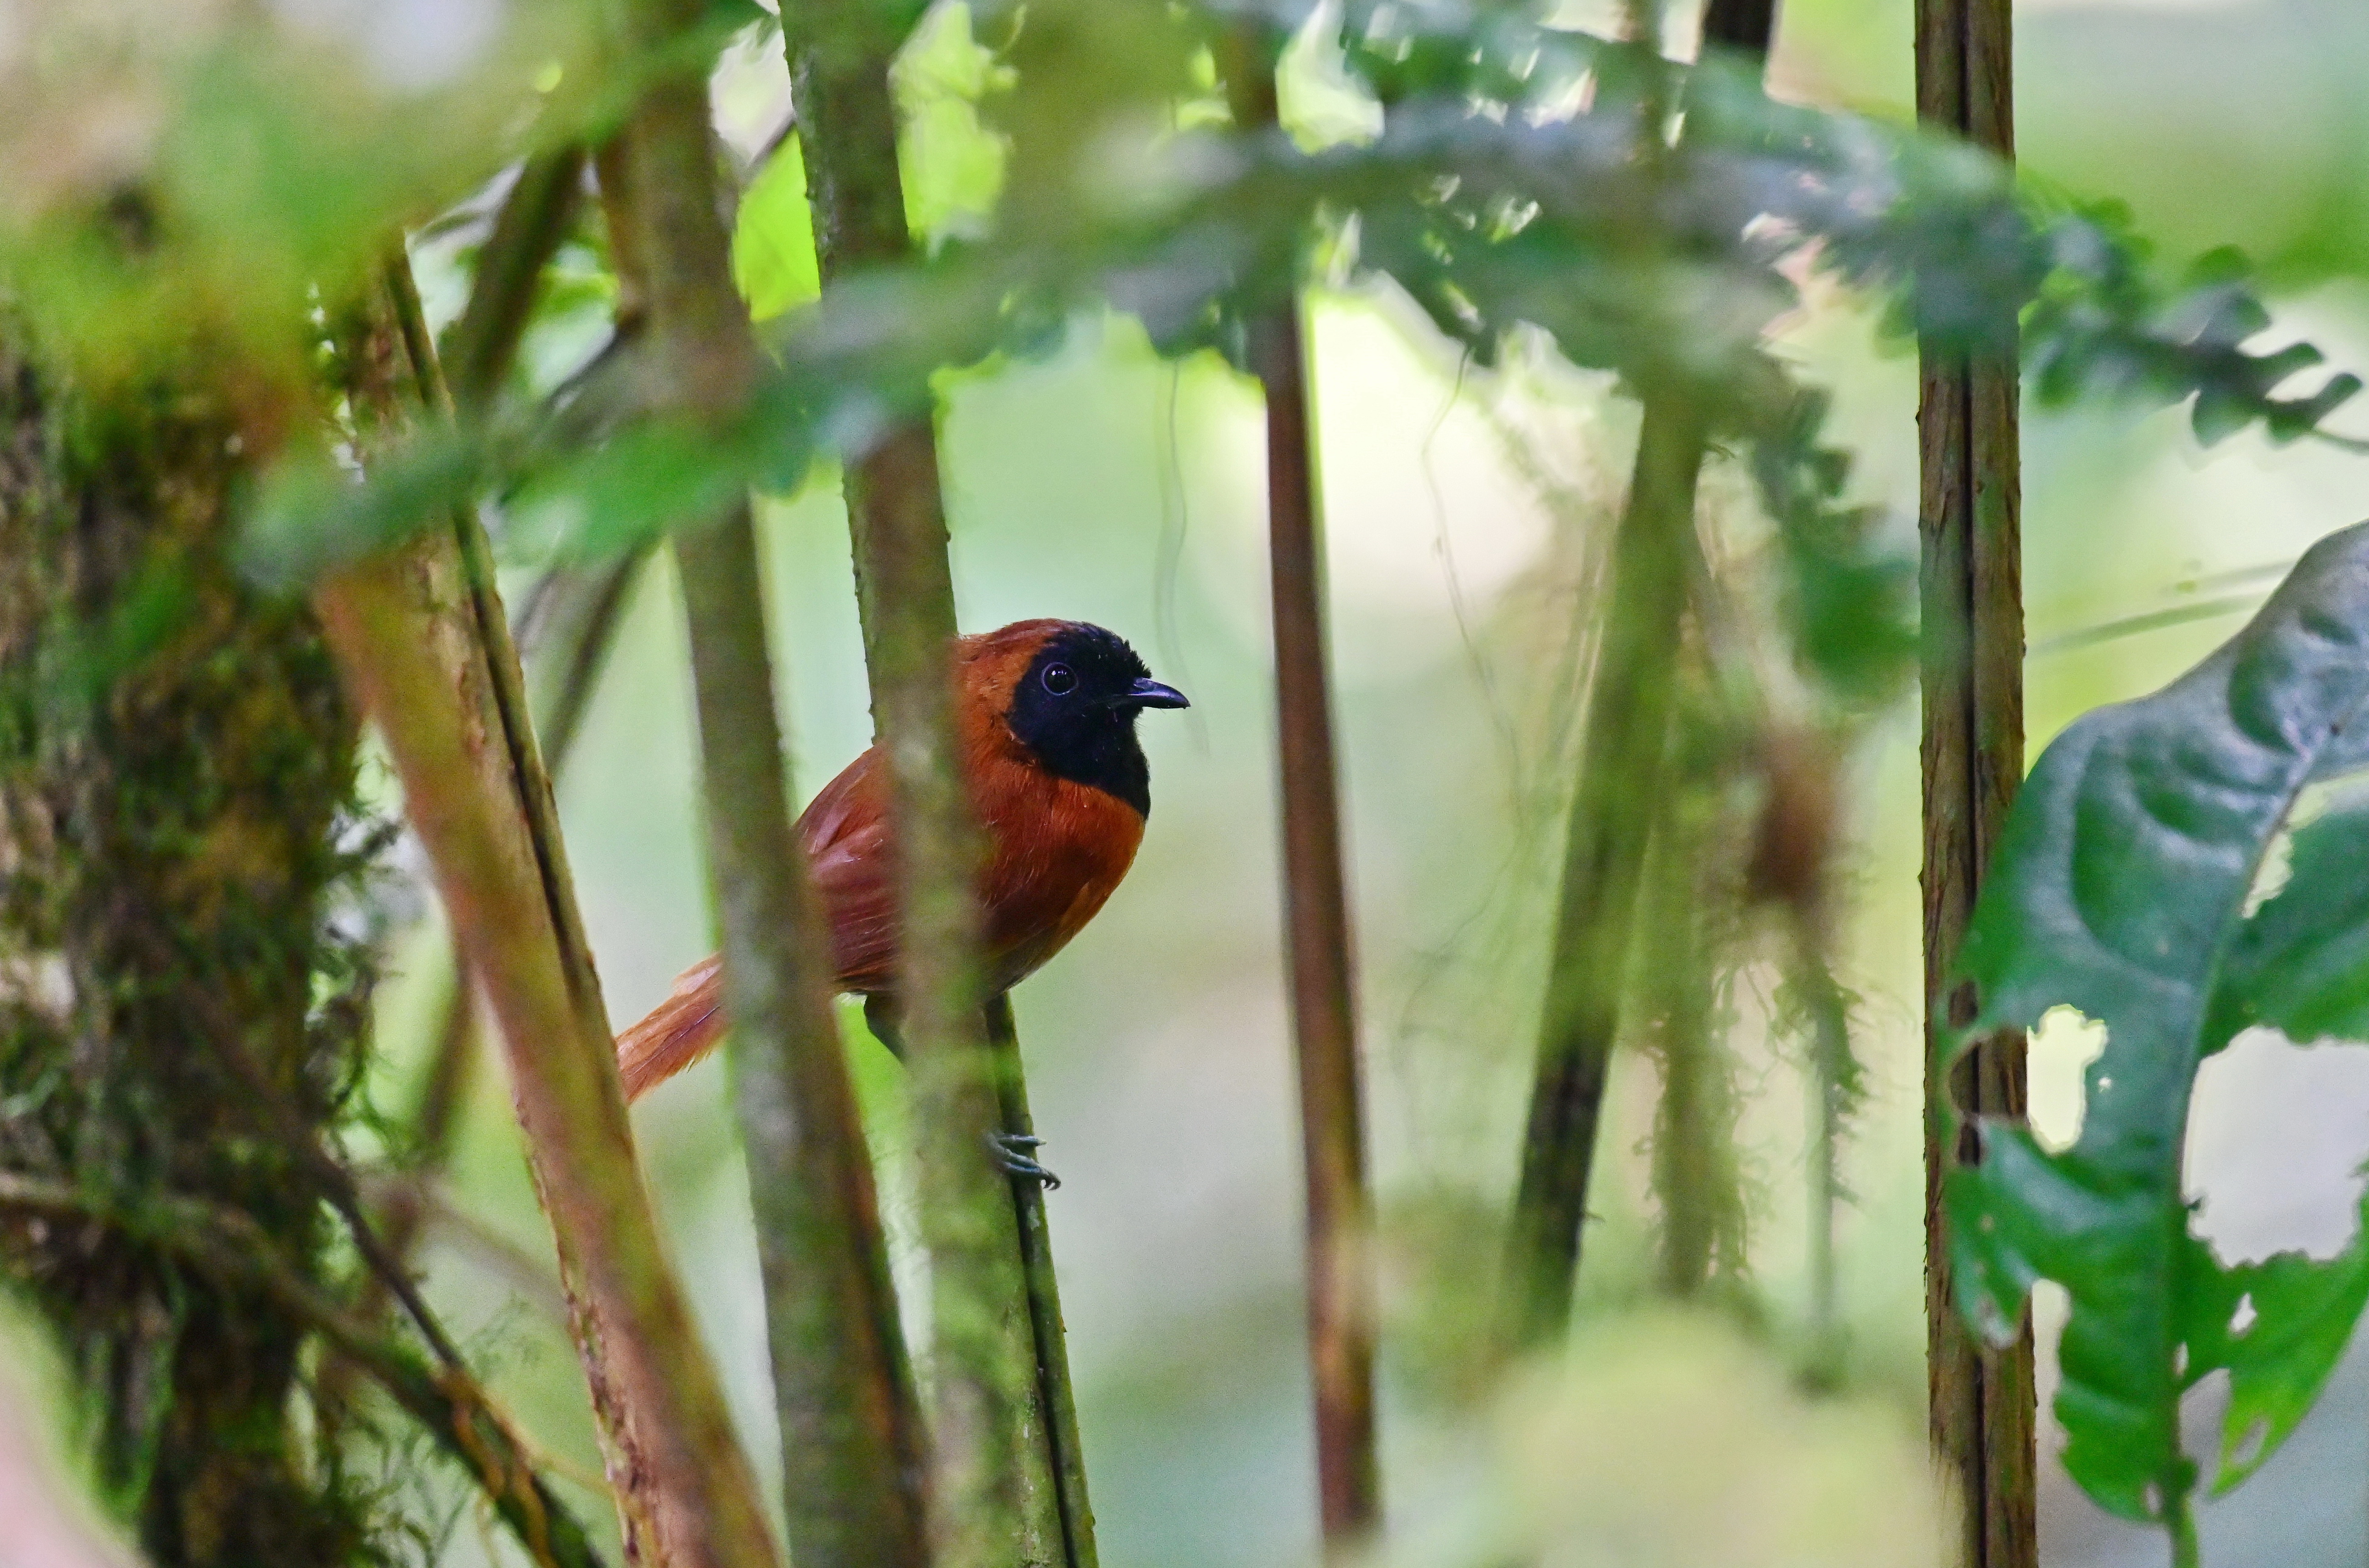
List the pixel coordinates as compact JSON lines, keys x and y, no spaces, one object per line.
{"x":1045,"y":721}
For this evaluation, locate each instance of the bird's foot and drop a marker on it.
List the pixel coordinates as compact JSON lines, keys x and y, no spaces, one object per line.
{"x":1013,"y":1156}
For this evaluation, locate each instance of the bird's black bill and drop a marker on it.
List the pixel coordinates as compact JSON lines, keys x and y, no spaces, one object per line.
{"x":1148,"y":693}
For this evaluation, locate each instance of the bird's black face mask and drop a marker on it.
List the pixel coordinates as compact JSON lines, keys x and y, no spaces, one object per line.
{"x":1075,"y":710}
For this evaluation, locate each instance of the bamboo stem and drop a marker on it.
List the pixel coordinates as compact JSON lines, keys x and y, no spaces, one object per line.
{"x":1982,"y":1407}
{"x":851,"y":1440}
{"x":998,"y":1491}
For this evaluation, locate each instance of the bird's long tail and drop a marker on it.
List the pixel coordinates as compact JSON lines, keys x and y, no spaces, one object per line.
{"x":678,"y":1031}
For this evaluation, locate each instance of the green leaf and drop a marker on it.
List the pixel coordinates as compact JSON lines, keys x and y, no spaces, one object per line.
{"x":772,"y":239}
{"x":2120,"y":888}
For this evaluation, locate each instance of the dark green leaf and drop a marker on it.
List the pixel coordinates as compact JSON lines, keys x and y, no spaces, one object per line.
{"x":2121,"y":889}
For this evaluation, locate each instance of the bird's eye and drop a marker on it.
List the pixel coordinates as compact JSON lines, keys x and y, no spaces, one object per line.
{"x":1060,"y":680}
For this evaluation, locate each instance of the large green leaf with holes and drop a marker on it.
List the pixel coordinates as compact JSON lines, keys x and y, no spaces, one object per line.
{"x":2126,"y":886}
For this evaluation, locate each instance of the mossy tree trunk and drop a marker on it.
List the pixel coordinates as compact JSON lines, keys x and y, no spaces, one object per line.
{"x":180,"y":1006}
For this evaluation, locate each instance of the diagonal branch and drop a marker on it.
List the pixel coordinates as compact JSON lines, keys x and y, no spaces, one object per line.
{"x":423,"y":642}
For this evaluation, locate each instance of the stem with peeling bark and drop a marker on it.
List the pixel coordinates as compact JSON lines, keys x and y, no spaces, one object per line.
{"x":422,"y":641}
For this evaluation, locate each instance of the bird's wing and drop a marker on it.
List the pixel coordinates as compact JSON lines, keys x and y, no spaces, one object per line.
{"x":844,"y":831}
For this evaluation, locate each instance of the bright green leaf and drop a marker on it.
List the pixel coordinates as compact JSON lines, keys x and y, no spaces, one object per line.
{"x":772,"y":244}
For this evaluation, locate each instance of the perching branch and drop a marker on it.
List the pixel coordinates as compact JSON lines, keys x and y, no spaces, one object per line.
{"x":996,"y":1487}
{"x":1057,"y":1396}
{"x":852,"y":1444}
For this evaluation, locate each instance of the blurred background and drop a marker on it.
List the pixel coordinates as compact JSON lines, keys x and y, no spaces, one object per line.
{"x":1462,"y":509}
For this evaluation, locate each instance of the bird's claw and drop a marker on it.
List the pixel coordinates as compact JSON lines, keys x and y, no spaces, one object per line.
{"x":1012,"y":1155}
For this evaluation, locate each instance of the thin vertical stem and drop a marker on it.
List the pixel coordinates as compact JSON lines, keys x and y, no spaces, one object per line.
{"x":1342,"y":1330}
{"x":1981,"y":1401}
{"x":1341,"y":1309}
{"x":850,"y":1441}
{"x":996,"y":1491}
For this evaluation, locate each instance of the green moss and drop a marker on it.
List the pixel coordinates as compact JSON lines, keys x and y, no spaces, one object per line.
{"x":178,"y":999}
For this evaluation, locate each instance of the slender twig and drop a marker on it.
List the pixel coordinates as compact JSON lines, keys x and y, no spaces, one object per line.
{"x":529,"y":1277}
{"x":1981,"y":1402}
{"x":225,"y":1244}
{"x":996,"y":1487}
{"x":1623,"y":744}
